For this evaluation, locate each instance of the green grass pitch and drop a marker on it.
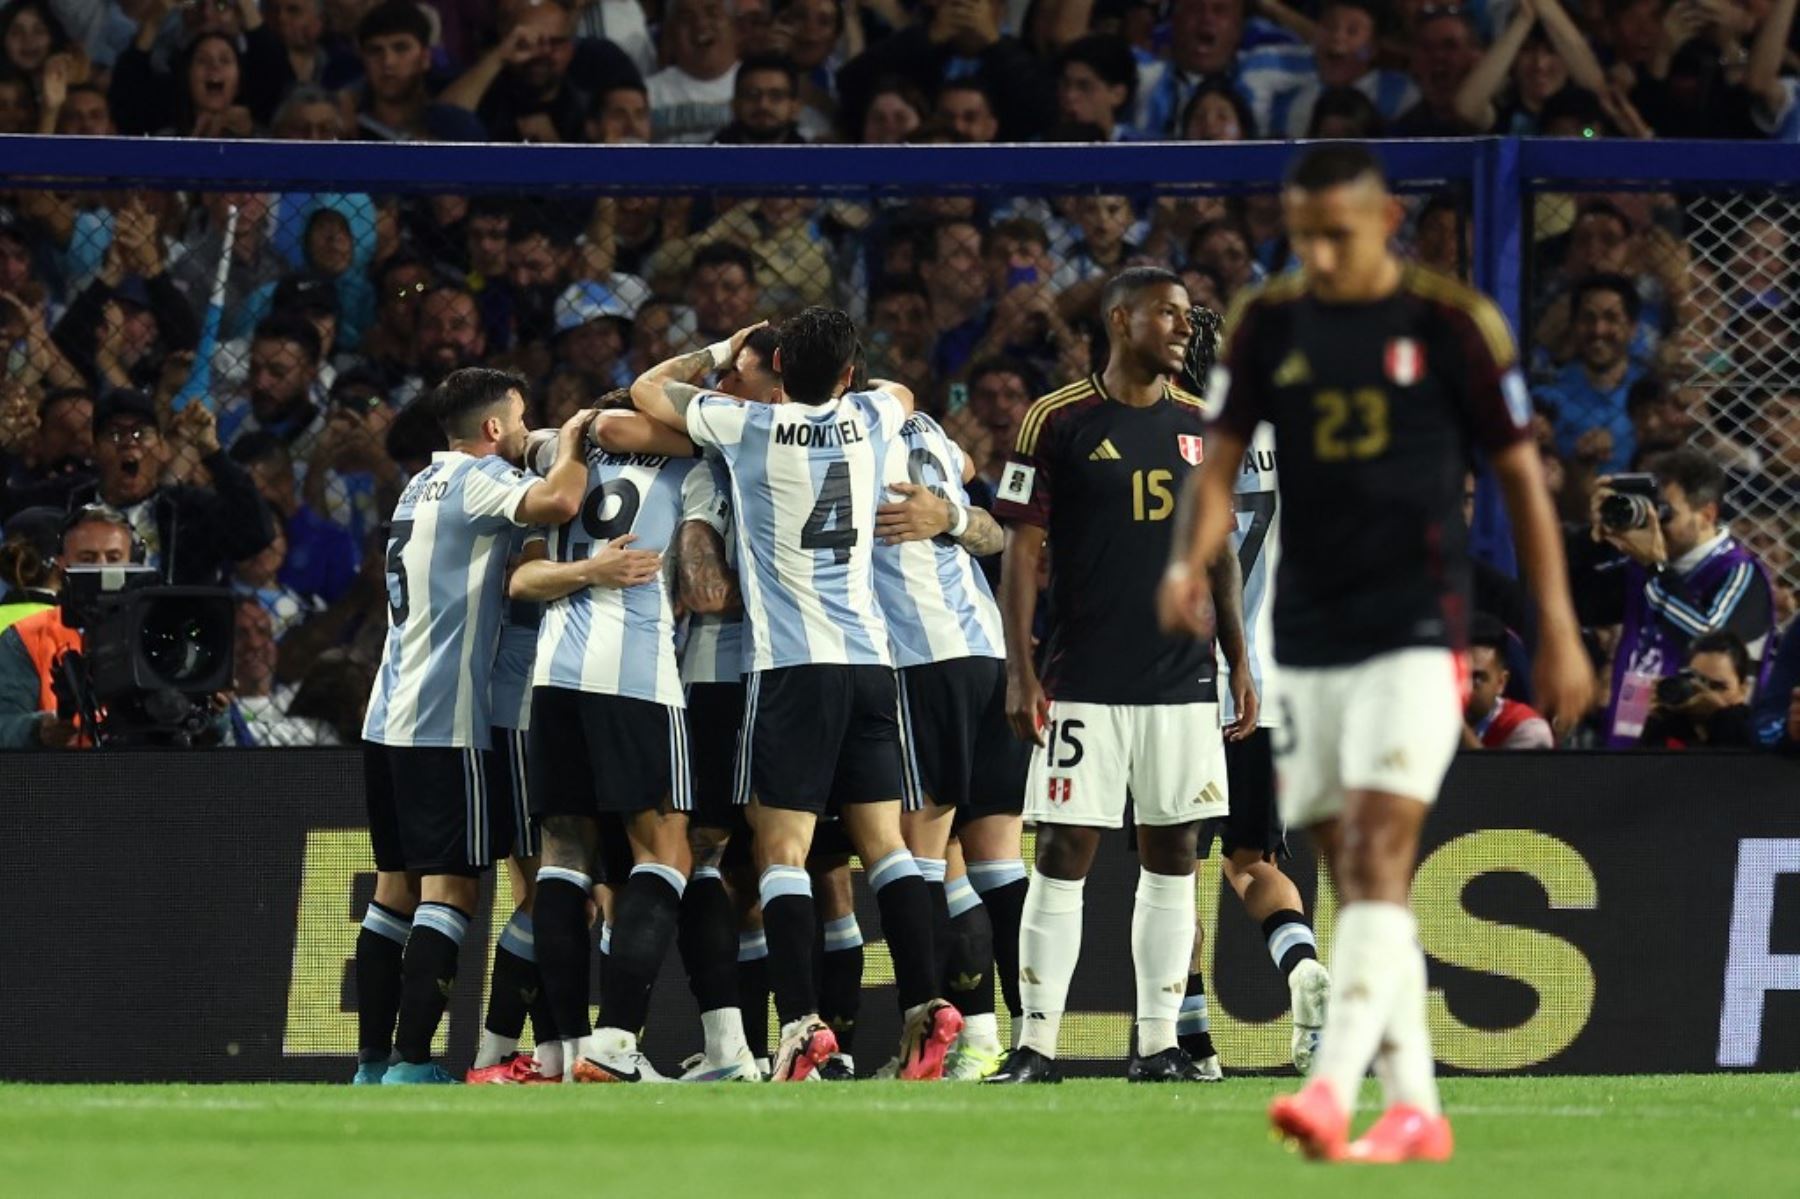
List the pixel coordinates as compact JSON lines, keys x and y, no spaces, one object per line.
{"x":1588,"y":1137}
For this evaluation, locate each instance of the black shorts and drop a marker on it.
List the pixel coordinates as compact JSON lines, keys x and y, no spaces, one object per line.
{"x":960,"y":751}
{"x":514,"y":834}
{"x":817,"y":737}
{"x":715,"y":722}
{"x":430,"y":814}
{"x":591,"y":754}
{"x":1253,"y":822}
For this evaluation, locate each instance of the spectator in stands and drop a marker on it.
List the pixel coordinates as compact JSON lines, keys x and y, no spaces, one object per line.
{"x":1776,"y":710}
{"x":1660,"y":421}
{"x":593,"y":329}
{"x":522,"y":90}
{"x":1693,"y":85}
{"x":1445,"y":48}
{"x":722,"y":289}
{"x":1204,"y":38}
{"x":620,"y":115}
{"x":660,"y":328}
{"x":896,"y":110}
{"x":1001,"y":391}
{"x":1707,"y":703}
{"x":259,"y":707}
{"x":1285,"y":82}
{"x":46,"y":446}
{"x":133,"y":312}
{"x":1225,"y":247}
{"x":400,"y":283}
{"x":394,"y":102}
{"x":309,"y":114}
{"x":960,"y":308}
{"x":350,"y":478}
{"x":765,"y":104}
{"x":1218,"y":112}
{"x":202,"y":96}
{"x":308,"y":58}
{"x":1540,"y":53}
{"x":901,"y":337}
{"x":447,"y":337}
{"x":28,"y":578}
{"x":18,"y":103}
{"x":967,"y":107}
{"x":1773,"y":109}
{"x":31,"y":35}
{"x":93,"y":536}
{"x":690,"y":99}
{"x":259,"y":578}
{"x":956,"y":37}
{"x":255,"y":262}
{"x":1676,"y":575}
{"x":1490,"y":720}
{"x":282,"y":394}
{"x":321,"y":556}
{"x":1096,"y":83}
{"x":539,"y":253}
{"x":1442,"y":237}
{"x":1589,"y":393}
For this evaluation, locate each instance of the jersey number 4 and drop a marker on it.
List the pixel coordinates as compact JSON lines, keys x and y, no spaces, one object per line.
{"x":832,"y":523}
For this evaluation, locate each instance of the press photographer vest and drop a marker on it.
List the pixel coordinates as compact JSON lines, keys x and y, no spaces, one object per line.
{"x":44,"y":636}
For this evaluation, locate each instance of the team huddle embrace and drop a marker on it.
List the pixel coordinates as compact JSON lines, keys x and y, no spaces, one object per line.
{"x":679,"y":660}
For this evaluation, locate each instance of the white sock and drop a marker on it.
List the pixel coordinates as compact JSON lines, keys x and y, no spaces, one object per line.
{"x":492,"y":1048}
{"x":1405,"y":1065}
{"x":724,"y":1028}
{"x":982,"y":1031}
{"x":1049,"y":946}
{"x":1162,"y":943}
{"x":571,"y":1052}
{"x":549,"y":1057}
{"x":1371,"y":937}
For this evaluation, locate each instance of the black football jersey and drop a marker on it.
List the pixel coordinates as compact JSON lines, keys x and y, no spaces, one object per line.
{"x":1376,"y":408}
{"x":1102,"y":478}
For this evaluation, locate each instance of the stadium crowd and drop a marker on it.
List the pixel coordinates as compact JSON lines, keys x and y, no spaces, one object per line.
{"x":1656,"y":322}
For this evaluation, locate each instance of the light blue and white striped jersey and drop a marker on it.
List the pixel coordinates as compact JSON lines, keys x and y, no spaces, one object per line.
{"x":1257,"y":540}
{"x":805,"y":482}
{"x":712,"y":647}
{"x":608,"y":640}
{"x":446,"y":574}
{"x":519,"y":620}
{"x":1282,"y":85}
{"x":934,"y":597}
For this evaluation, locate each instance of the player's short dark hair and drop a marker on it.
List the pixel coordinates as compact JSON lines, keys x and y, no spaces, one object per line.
{"x":1107,"y":55}
{"x":1726,"y":642}
{"x":766,"y":63}
{"x":817,"y":343}
{"x":763,"y":343}
{"x":468,"y":396}
{"x":1619,"y":285}
{"x":1128,"y":284}
{"x":1488,"y":631}
{"x":394,"y":17}
{"x":1333,"y":164}
{"x":290,"y":326}
{"x":723,"y":253}
{"x":1697,"y":473}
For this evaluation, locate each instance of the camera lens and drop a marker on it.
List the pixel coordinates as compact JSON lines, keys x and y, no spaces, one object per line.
{"x":182,"y":642}
{"x":1621,"y":512}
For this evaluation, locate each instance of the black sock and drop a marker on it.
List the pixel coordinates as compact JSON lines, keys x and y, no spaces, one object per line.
{"x":644,"y":918}
{"x":940,"y":927}
{"x":427,"y":974}
{"x":840,"y":977}
{"x":753,"y":990}
{"x":969,"y":952}
{"x":905,"y":903}
{"x":543,"y":1023}
{"x":379,"y":947}
{"x":1002,"y":886}
{"x":707,"y":938}
{"x":564,"y":950}
{"x":1290,"y":940}
{"x":514,"y":983}
{"x":790,"y":923}
{"x":1192,"y":1027}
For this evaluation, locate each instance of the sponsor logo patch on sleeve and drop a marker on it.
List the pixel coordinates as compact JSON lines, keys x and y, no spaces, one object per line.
{"x":1017,"y":482}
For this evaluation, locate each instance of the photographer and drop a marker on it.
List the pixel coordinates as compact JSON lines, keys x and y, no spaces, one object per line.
{"x":1659,"y":564}
{"x":93,"y":536}
{"x":1777,"y":710}
{"x":1707,"y":703}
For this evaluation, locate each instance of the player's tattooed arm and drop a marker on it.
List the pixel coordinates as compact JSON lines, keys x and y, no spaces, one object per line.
{"x":984,"y":535}
{"x":708,"y":585}
{"x":664,"y":392}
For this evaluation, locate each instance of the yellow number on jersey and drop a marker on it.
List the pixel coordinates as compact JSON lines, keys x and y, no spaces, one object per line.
{"x":1334,"y":440}
{"x":1155,"y":484}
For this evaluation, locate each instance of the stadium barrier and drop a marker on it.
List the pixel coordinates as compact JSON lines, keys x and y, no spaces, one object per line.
{"x":196,"y":916}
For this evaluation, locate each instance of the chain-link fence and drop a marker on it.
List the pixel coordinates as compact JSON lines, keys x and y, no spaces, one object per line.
{"x":296,"y":330}
{"x":1659,"y":319}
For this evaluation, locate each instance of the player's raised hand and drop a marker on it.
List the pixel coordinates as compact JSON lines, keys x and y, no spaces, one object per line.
{"x":1027,"y":707}
{"x":736,"y":341}
{"x":919,"y":515}
{"x":1184,"y":602}
{"x":1564,"y":680}
{"x":616,"y":564}
{"x":573,"y":432}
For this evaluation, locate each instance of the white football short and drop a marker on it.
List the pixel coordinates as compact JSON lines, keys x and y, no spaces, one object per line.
{"x":1389,"y":723}
{"x":1170,"y":757}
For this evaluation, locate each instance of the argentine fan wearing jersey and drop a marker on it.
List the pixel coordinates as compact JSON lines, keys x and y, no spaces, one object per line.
{"x":608,"y":738}
{"x":962,"y":762}
{"x":821,"y":729}
{"x":429,"y":714}
{"x":514,"y":990}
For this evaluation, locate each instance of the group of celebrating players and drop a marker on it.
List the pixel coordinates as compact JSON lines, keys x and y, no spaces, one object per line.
{"x":682,"y":657}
